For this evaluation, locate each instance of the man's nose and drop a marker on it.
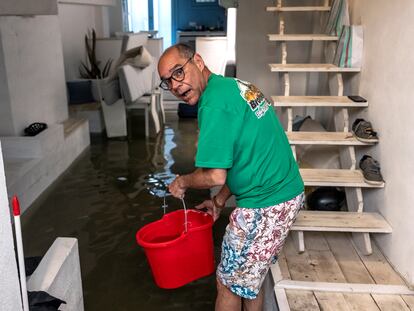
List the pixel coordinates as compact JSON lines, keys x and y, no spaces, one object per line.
{"x":175,"y":85}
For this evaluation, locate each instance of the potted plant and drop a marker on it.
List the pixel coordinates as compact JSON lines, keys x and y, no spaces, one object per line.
{"x":92,"y":69}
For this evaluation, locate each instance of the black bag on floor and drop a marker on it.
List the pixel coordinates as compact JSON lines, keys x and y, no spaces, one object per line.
{"x":187,"y":111}
{"x":42,"y":301}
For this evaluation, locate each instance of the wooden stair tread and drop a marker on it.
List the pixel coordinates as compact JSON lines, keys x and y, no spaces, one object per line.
{"x":298,"y":8}
{"x":315,"y":101}
{"x":301,"y":37}
{"x":335,"y":178}
{"x":92,"y":106}
{"x":325,"y":138}
{"x":71,"y":124}
{"x":309,"y":68}
{"x":341,"y":222}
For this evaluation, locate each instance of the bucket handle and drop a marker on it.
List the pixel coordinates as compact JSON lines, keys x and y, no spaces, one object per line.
{"x":185,"y":216}
{"x":164,"y":206}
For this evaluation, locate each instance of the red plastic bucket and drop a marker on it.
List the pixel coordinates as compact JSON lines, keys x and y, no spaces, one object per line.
{"x":177,"y":257}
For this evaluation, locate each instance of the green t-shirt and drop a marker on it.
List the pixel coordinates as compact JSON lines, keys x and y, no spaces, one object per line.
{"x":240,"y":132}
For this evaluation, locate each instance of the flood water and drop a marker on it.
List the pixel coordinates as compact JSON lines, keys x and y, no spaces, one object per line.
{"x":111,"y":191}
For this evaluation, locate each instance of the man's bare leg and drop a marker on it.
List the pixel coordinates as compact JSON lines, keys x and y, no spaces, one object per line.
{"x":254,"y":304}
{"x":226,"y":300}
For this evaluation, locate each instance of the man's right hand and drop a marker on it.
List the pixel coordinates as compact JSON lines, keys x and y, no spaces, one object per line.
{"x":211,"y":209}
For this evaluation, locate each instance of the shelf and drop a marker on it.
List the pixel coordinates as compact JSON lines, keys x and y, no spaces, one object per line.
{"x":315,"y":101}
{"x":298,"y":9}
{"x":341,"y":222}
{"x":335,"y":178}
{"x":309,"y":68}
{"x":326,"y":138}
{"x":301,"y":37}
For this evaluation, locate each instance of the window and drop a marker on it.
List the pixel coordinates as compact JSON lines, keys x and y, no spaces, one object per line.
{"x":138,"y":15}
{"x":150,"y":15}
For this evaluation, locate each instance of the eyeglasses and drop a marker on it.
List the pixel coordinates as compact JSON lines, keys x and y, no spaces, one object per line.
{"x":177,"y":75}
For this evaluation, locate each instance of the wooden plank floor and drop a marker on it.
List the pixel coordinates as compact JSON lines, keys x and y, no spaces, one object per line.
{"x":332,"y":257}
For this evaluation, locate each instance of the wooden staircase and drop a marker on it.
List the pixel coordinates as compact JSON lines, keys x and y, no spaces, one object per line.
{"x":356,"y":221}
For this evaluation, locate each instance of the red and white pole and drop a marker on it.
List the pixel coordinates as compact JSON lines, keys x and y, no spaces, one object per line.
{"x":20,"y":254}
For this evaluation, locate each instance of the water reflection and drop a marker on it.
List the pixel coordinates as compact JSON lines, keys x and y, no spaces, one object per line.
{"x":103,"y":199}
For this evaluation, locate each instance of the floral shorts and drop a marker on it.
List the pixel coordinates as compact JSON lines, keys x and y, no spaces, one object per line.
{"x":253,"y":239}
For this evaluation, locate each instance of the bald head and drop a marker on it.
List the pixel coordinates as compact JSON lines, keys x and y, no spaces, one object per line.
{"x":183,"y":50}
{"x":183,"y":72}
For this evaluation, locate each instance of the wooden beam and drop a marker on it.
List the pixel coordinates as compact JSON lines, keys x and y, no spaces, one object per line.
{"x":282,"y":300}
{"x":378,"y":289}
{"x":335,"y":178}
{"x":302,"y":300}
{"x":298,"y":9}
{"x":340,"y":222}
{"x":326,"y":138}
{"x":310,"y":68}
{"x":316,"y":101}
{"x":301,"y":37}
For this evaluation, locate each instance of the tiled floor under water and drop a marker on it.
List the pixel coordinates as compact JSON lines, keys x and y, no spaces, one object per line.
{"x":103,"y":199}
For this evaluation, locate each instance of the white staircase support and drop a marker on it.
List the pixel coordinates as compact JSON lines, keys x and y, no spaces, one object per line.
{"x":298,"y":236}
{"x":341,"y":119}
{"x":347,"y":158}
{"x":298,"y":239}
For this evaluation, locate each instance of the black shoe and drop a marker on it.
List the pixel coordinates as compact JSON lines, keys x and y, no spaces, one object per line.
{"x":363,"y":131}
{"x":371,"y":170}
{"x":35,"y":128}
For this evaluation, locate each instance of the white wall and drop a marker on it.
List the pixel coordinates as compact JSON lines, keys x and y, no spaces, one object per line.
{"x":24,"y":7}
{"x":387,"y":82}
{"x":33,"y":64}
{"x":6,"y":123}
{"x":9,"y":282}
{"x":76,"y":20}
{"x":254,"y":51}
{"x":115,"y":18}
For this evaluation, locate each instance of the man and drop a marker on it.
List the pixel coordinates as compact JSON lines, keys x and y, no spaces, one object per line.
{"x":243,"y":148}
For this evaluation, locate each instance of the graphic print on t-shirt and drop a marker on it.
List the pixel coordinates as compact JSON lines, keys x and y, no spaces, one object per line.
{"x":254,"y":98}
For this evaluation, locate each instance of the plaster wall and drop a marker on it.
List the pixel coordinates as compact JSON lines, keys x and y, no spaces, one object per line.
{"x":386,"y":81}
{"x":9,"y":281}
{"x":33,"y":64}
{"x":75,"y":22}
{"x":6,"y":123}
{"x":24,"y":7}
{"x":115,"y":22}
{"x":254,"y":51}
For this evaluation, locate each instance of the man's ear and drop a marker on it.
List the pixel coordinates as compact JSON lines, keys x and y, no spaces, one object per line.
{"x":198,"y":60}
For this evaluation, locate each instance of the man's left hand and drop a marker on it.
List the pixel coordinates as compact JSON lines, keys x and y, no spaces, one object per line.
{"x":176,"y":187}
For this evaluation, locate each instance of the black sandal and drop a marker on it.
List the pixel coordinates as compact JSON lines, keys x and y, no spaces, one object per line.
{"x":35,"y":128}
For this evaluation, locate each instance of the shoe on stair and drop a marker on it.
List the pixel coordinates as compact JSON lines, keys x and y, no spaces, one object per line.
{"x":363,"y":130}
{"x":371,"y":170}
